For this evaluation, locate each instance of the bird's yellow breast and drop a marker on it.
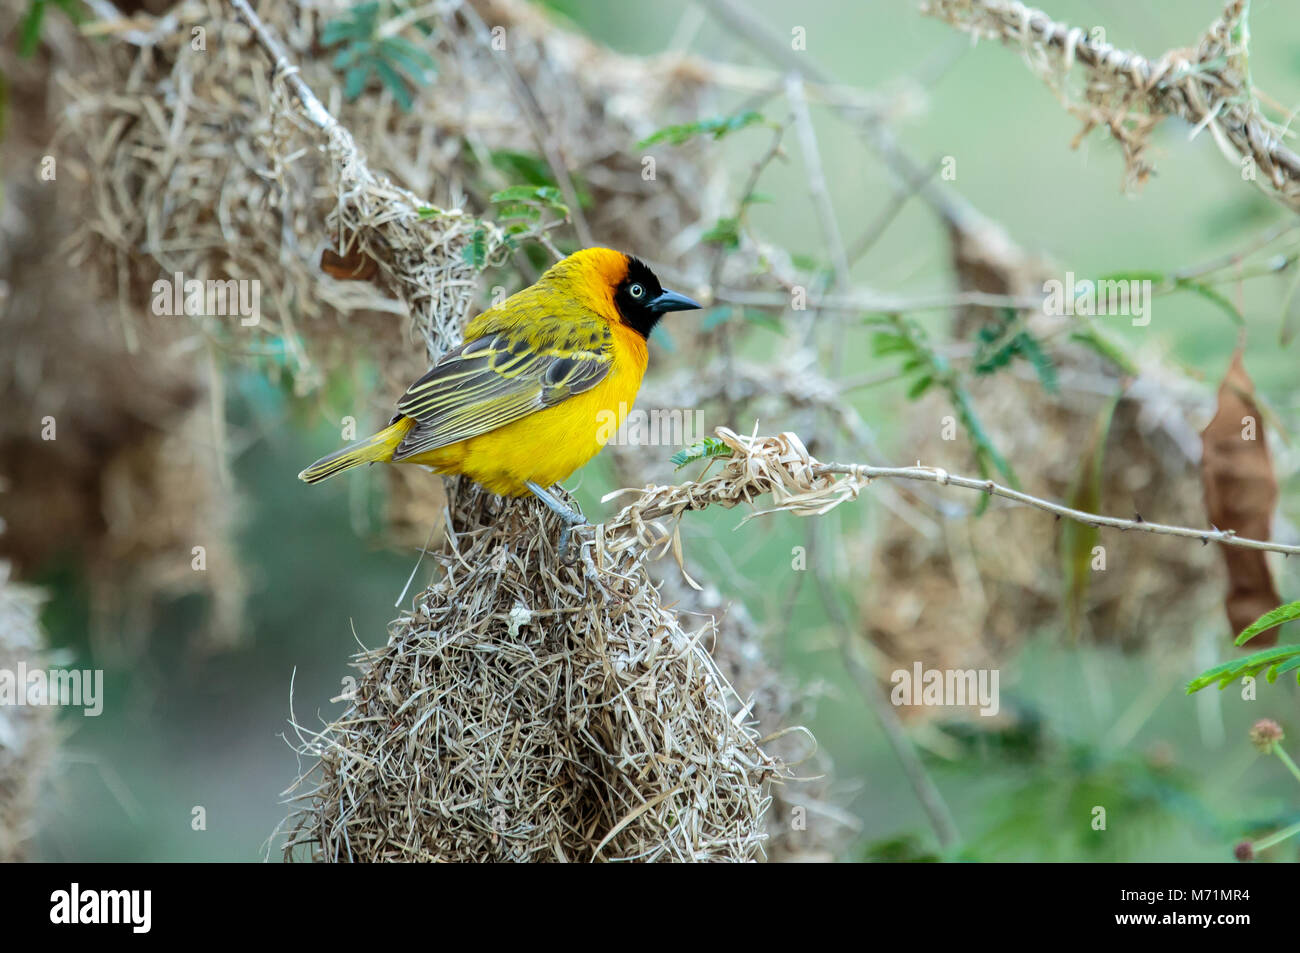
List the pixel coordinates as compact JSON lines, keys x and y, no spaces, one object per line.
{"x":547,"y":446}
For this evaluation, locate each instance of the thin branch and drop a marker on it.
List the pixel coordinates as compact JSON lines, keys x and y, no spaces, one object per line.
{"x":870,"y":124}
{"x":281,"y":65}
{"x":817,"y":186}
{"x":887,"y":215}
{"x":938,"y":475}
{"x":536,"y":119}
{"x":799,"y":483}
{"x":1208,"y":85}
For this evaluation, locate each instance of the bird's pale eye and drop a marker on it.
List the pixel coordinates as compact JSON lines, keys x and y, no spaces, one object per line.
{"x":637,"y":292}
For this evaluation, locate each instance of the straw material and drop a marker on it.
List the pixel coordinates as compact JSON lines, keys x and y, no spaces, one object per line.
{"x":523,"y":712}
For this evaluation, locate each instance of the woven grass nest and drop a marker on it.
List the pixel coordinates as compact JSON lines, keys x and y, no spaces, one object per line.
{"x":524,"y":711}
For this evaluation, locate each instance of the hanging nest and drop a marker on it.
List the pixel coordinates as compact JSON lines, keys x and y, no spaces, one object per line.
{"x":522,"y":712}
{"x":620,"y":727}
{"x":968,"y":592}
{"x":26,"y":731}
{"x":113,"y":459}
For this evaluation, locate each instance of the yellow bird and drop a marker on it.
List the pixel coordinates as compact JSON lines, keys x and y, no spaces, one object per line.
{"x":539,"y":386}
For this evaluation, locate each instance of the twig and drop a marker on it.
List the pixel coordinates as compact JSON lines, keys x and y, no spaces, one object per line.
{"x":1208,"y":86}
{"x":887,"y":215}
{"x":937,"y":475}
{"x":799,"y":483}
{"x":1263,"y":239}
{"x":281,"y":64}
{"x":821,"y":195}
{"x":536,"y":120}
{"x":950,"y":206}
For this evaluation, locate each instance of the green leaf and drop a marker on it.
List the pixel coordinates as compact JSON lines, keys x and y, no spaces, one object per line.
{"x":1209,"y":294}
{"x":719,"y":127}
{"x":884,"y":343}
{"x":725,"y":232}
{"x":336,"y":31}
{"x":919,"y":386}
{"x":1275,"y":660}
{"x":475,"y":252}
{"x":1106,"y":347}
{"x":355,"y":83}
{"x":706,"y":449}
{"x":1268,"y":621}
{"x":29,"y":30}
{"x":517,"y":210}
{"x":527,"y":193}
{"x":394,"y":81}
{"x":410,"y":57}
{"x":522,"y":165}
{"x":1029,"y":348}
{"x":1078,"y":539}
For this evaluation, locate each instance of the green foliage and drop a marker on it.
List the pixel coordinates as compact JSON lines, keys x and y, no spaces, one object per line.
{"x":475,"y":253}
{"x":1269,"y":620}
{"x":532,"y":169}
{"x":1107,"y":347}
{"x":1048,"y":812}
{"x":1079,"y":539}
{"x":29,"y":28}
{"x":1272,"y":662}
{"x":706,"y":449}
{"x":366,"y":52}
{"x":928,"y":368}
{"x":904,"y":849}
{"x":718,"y":127}
{"x":527,"y":201}
{"x":724,"y":232}
{"x":1162,"y":283}
{"x":1005,"y":338}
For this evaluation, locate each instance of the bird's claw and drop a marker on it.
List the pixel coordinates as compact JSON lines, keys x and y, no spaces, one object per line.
{"x":568,"y":558}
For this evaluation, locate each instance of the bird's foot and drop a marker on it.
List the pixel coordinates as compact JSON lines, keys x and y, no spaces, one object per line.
{"x":573,"y":519}
{"x":566,"y":538}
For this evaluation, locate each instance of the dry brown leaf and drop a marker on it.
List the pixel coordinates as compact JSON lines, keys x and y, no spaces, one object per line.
{"x":356,"y":265}
{"x":1241,"y":494}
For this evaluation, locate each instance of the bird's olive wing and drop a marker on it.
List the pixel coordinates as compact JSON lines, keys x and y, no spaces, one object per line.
{"x":499,"y":378}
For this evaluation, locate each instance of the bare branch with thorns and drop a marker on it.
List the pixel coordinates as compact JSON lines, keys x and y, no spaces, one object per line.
{"x":1209,"y":86}
{"x":799,"y":483}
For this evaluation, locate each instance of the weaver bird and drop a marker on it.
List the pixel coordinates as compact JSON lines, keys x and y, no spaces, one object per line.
{"x":541,"y":383}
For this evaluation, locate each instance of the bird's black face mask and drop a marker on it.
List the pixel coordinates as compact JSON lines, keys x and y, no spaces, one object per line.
{"x":642,"y":301}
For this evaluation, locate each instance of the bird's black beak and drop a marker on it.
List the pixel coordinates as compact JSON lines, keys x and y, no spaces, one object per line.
{"x":671,"y":301}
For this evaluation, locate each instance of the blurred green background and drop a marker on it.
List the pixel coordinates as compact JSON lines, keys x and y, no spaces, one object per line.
{"x":179,"y":732}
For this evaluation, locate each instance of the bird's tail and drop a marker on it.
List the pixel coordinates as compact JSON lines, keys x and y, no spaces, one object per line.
{"x":373,"y":449}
